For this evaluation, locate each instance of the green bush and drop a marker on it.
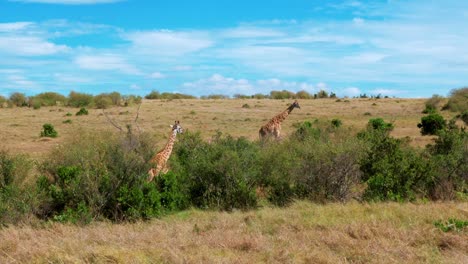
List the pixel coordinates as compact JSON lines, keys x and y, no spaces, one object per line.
{"x":391,"y":171}
{"x":379,"y":124}
{"x":3,"y":101}
{"x":16,"y":198}
{"x":451,"y":225}
{"x":102,"y":101}
{"x":18,"y":99}
{"x":220,"y":175}
{"x":48,"y":130}
{"x":97,"y":176}
{"x":284,"y":94}
{"x":336,"y":122}
{"x":431,"y":124}
{"x":79,"y":99}
{"x":432,"y":104}
{"x":464,"y":117}
{"x":82,"y":111}
{"x":48,"y":99}
{"x":303,"y":95}
{"x":458,"y":100}
{"x":449,"y":155}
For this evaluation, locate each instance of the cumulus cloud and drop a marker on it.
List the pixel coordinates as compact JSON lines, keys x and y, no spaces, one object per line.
{"x":384,"y":91}
{"x":218,"y":84}
{"x":351,"y":91}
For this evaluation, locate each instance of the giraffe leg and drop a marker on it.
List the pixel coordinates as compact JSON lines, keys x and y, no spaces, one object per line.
{"x":154,"y":172}
{"x":165,"y":169}
{"x":276,"y":133}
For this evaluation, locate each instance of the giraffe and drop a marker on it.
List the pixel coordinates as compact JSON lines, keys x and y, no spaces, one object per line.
{"x":160,"y":159}
{"x":273,"y":127}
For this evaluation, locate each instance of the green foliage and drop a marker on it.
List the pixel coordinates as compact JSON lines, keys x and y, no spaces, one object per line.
{"x":68,"y":114}
{"x":322,"y":94}
{"x":215,"y":96}
{"x":449,"y":156}
{"x":68,"y":121}
{"x":16,"y":199}
{"x":432,"y":104}
{"x":452,"y":224}
{"x":131,"y":99}
{"x":82,"y":111}
{"x":47,"y":99}
{"x":18,"y":99}
{"x":458,"y":100}
{"x":96,"y":176}
{"x":431,"y":124}
{"x":391,"y":171}
{"x":379,"y":124}
{"x":336,"y":122}
{"x":102,"y":101}
{"x":76,"y":99}
{"x":169,"y":96}
{"x":464,"y":117}
{"x":284,"y":94}
{"x":48,"y":130}
{"x":219,"y":175}
{"x":304,"y":95}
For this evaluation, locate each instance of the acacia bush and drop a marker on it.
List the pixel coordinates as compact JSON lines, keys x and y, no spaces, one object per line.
{"x":433,"y":104}
{"x":102,"y":177}
{"x":48,"y":130}
{"x":458,"y":100}
{"x":17,"y":199}
{"x":76,"y":99}
{"x":431,"y":124}
{"x":219,"y":175}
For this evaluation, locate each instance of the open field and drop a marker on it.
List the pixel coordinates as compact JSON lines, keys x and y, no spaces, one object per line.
{"x":20,"y":127}
{"x":301,"y":233}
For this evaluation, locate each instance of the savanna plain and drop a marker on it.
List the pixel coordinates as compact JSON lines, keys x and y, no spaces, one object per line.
{"x":302,"y":232}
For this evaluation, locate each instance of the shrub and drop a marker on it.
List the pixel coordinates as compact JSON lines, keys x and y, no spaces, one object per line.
{"x":449,"y":156}
{"x":391,"y":171}
{"x":246,"y":106}
{"x":82,"y":111}
{"x":48,"y":130}
{"x":458,"y":100}
{"x":284,"y":94}
{"x":98,"y":176}
{"x":336,"y":122}
{"x":102,"y":101}
{"x":16,"y":198}
{"x":303,"y":95}
{"x":68,"y":121}
{"x":464,"y":117}
{"x":153,"y":95}
{"x":220,"y":175}
{"x":379,"y":124}
{"x":431,"y":124}
{"x":131,"y":99}
{"x":451,"y":225}
{"x":3,"y":101}
{"x":48,"y":99}
{"x":18,"y":99}
{"x":322,"y":94}
{"x":79,"y":99}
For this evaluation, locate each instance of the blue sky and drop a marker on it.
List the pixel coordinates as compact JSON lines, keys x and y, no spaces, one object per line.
{"x":397,"y":48}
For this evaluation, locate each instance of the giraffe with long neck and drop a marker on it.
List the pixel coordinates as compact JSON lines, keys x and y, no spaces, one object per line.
{"x":273,"y":127}
{"x":159,"y":161}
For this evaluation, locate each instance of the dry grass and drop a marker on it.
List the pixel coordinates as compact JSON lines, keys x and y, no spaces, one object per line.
{"x":20,"y":127}
{"x":302,"y":233}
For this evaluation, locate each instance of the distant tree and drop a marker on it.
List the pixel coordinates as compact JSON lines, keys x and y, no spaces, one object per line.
{"x":322,"y":94}
{"x":458,"y":100}
{"x":303,"y":95}
{"x":76,"y":99}
{"x":18,"y":99}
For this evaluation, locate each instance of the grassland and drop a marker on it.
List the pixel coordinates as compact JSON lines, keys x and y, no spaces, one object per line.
{"x":20,"y":127}
{"x":301,"y":233}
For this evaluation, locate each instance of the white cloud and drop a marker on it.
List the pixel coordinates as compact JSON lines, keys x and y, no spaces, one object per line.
{"x":351,"y":91}
{"x":14,"y":26}
{"x":218,"y":84}
{"x":251,"y":32}
{"x":71,"y":79}
{"x":68,"y":2}
{"x":29,"y":46}
{"x":167,"y":43}
{"x":157,"y":75}
{"x":19,"y":81}
{"x":135,"y":87}
{"x":107,"y":62}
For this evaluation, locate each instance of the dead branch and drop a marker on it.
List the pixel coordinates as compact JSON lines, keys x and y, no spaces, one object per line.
{"x":112,"y":122}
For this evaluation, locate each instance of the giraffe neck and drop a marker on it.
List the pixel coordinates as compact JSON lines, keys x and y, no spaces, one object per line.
{"x":282,"y":116}
{"x":170,"y":143}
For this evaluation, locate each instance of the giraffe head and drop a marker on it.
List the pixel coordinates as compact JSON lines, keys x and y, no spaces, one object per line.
{"x":176,"y":128}
{"x":295,"y":105}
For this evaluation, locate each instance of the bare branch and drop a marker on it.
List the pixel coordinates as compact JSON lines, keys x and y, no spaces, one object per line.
{"x":112,"y":122}
{"x":136,"y":118}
